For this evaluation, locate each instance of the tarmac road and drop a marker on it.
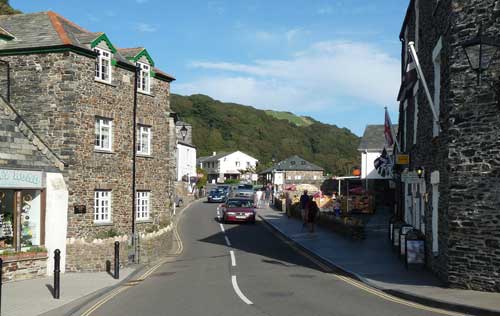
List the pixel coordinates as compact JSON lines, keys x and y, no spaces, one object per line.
{"x":258,"y":274}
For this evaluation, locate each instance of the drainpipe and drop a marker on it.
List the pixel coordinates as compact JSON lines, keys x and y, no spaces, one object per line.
{"x":134,"y":155}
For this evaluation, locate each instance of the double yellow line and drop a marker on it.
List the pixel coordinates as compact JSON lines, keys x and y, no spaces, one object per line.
{"x":131,"y":283}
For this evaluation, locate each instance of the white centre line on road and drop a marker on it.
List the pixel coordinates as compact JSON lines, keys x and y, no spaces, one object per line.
{"x":233,"y":259}
{"x":238,"y":291}
{"x":227,"y":241}
{"x":222,"y":228}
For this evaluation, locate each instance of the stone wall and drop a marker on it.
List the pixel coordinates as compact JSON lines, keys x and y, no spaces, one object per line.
{"x":92,"y":255}
{"x":24,"y":266}
{"x":465,"y":152}
{"x":57,"y":95}
{"x":305,"y":177}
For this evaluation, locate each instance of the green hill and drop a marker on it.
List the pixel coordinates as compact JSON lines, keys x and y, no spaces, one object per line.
{"x":6,"y":9}
{"x":220,"y":127}
{"x":297,"y":120}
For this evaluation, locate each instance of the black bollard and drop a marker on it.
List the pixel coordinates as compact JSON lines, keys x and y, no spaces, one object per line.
{"x":117,"y":259}
{"x":1,"y":275}
{"x":57,"y":272}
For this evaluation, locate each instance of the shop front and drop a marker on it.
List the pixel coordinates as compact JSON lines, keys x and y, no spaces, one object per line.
{"x":23,"y":219}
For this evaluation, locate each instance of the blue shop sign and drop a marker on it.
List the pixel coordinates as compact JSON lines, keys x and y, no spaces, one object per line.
{"x":21,"y":179}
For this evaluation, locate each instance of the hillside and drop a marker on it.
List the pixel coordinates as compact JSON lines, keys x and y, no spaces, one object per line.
{"x":6,"y":9}
{"x":292,"y":118}
{"x":219,"y":126}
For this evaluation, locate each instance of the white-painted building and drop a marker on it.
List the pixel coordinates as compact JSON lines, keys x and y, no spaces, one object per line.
{"x":185,"y":152}
{"x":371,"y":147}
{"x":235,"y":165}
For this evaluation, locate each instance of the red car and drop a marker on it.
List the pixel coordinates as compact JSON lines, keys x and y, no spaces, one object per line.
{"x":238,"y":210}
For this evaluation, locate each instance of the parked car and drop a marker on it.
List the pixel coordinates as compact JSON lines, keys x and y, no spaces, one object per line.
{"x":216,"y":195}
{"x":238,"y":210}
{"x":242,"y":193}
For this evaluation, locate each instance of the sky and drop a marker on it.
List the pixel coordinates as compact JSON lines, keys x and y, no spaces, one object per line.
{"x":337,"y":61}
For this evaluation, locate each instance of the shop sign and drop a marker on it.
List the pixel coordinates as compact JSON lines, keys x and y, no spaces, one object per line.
{"x":80,"y":209}
{"x":402,"y":159}
{"x":415,"y":252}
{"x":410,"y":177}
{"x":21,"y":179}
{"x":278,"y":178}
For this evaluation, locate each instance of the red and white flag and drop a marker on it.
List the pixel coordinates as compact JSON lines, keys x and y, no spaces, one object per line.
{"x":389,"y":140}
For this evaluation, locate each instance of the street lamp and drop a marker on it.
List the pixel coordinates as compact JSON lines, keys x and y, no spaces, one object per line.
{"x":420,"y":172}
{"x":184,"y":131}
{"x":480,"y":52}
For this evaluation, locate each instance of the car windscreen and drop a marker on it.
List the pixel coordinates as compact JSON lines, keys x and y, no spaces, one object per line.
{"x":239,"y":203}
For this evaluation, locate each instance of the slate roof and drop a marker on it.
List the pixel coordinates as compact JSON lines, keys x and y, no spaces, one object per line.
{"x":216,"y":157}
{"x":294,"y":163}
{"x":373,"y":138}
{"x":49,"y":29}
{"x":7,"y":111}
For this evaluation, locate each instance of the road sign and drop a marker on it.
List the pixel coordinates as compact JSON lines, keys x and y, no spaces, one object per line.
{"x":402,"y":159}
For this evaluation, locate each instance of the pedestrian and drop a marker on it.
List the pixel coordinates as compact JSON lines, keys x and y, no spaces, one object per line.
{"x":304,"y":201}
{"x":312,"y":214}
{"x":258,"y":198}
{"x":268,"y":193}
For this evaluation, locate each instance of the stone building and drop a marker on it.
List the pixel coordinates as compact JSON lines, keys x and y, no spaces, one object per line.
{"x":77,"y":92}
{"x":293,"y":170}
{"x":455,"y":203}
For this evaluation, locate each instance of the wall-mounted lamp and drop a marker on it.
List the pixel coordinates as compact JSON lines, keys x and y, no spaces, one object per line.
{"x":480,"y":51}
{"x":184,"y":131}
{"x":420,"y":172}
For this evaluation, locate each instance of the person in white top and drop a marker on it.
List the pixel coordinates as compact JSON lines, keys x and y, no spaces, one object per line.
{"x":258,"y":198}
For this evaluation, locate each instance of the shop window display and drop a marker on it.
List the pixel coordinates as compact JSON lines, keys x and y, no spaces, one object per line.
{"x":20,"y":218}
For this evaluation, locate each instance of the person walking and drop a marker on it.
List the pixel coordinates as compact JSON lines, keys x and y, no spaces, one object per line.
{"x":258,"y":198}
{"x":312,"y":214}
{"x":304,"y":201}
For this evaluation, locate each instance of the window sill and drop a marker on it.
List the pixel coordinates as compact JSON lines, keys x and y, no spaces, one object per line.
{"x":146,"y":93}
{"x":103,"y":223}
{"x":144,"y":221}
{"x":144,"y":156}
{"x":103,"y":151}
{"x":105,"y":82}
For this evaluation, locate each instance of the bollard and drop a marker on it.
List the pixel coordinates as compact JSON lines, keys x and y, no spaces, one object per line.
{"x":57,"y":271}
{"x":1,"y":275}
{"x":117,"y":260}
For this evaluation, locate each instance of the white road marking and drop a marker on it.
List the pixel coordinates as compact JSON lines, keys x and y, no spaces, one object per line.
{"x":222,"y":228}
{"x":218,"y":213}
{"x":238,"y":291}
{"x":233,"y":259}
{"x":227,"y":241}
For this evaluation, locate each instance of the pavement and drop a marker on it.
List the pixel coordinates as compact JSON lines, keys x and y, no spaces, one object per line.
{"x":76,"y":290}
{"x":34,"y":297}
{"x":374,"y":262}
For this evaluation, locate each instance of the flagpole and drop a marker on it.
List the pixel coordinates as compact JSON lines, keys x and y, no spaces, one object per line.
{"x":392,"y":132}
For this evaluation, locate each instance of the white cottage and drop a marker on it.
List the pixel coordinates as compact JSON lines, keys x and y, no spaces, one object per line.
{"x":224,"y":166}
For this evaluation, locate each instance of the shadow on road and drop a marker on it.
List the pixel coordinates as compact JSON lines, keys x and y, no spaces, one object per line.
{"x":257,"y":239}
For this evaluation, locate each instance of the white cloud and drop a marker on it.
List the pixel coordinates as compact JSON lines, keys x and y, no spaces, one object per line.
{"x":145,"y":27}
{"x":327,"y":75}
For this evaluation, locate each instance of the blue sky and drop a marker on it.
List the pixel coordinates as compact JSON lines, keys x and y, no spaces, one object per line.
{"x":334,"y":60}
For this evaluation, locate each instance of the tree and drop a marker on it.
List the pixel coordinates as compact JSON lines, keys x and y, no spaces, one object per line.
{"x":6,"y":9}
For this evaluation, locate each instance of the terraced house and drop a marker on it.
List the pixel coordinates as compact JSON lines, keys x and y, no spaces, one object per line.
{"x":83,"y":98}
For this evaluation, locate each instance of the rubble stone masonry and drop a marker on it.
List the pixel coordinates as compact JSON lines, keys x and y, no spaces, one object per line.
{"x":467,"y":151}
{"x":56,"y":93}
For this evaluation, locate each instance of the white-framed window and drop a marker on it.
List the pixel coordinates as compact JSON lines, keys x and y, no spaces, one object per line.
{"x":143,"y":84}
{"x":248,"y":164}
{"x":102,"y":206}
{"x":103,"y":65}
{"x":436,"y":59}
{"x":415,"y":113}
{"x":298,"y":177}
{"x":144,"y":141}
{"x":103,"y":134}
{"x":405,"y":120}
{"x":142,"y":205}
{"x":237,"y":163}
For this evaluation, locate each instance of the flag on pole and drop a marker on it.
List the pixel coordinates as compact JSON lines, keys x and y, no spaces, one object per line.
{"x":389,"y":140}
